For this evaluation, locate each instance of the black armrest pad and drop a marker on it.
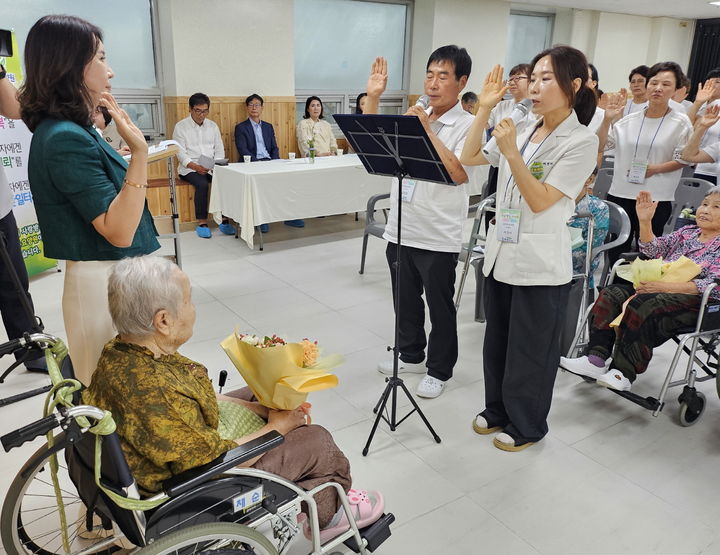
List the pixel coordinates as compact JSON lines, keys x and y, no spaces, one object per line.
{"x":195,"y":476}
{"x":630,"y":256}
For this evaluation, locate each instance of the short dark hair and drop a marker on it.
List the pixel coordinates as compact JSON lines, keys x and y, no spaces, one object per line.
{"x":522,"y":69}
{"x":667,"y":66}
{"x":57,"y":50}
{"x":569,"y":64}
{"x":713,"y":73}
{"x":198,"y":99}
{"x":252,"y":97}
{"x":594,"y":74}
{"x":469,"y":97}
{"x":362,"y":95}
{"x":307,"y":107}
{"x":686,"y":83}
{"x":452,"y":53}
{"x":639,"y":70}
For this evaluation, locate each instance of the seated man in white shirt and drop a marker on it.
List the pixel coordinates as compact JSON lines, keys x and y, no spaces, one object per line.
{"x":432,"y":223}
{"x":469,"y":100}
{"x":200,"y":139}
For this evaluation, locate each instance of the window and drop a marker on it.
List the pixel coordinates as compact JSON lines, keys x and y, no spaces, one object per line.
{"x":128,"y":32}
{"x":348,"y":50}
{"x":528,"y":34}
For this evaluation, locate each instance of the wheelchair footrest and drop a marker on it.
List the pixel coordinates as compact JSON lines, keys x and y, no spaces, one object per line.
{"x":375,"y":534}
{"x":649,"y":403}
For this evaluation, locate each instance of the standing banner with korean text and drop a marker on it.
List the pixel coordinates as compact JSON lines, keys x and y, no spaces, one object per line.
{"x":15,"y":140}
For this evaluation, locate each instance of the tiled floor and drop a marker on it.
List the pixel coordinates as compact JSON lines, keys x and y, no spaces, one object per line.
{"x":609,"y":478}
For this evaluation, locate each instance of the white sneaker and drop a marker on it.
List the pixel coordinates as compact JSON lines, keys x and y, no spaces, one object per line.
{"x":584,"y":367}
{"x":386,"y":367}
{"x":614,"y":379}
{"x":430,"y":387}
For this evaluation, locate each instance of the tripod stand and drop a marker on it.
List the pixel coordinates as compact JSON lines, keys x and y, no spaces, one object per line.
{"x":405,"y":151}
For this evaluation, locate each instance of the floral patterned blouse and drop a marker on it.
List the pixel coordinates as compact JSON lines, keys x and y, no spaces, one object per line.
{"x":684,"y":242}
{"x":165,"y":409}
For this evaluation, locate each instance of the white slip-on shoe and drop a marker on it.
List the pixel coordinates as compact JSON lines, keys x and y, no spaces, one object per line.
{"x":505,"y":442}
{"x":584,"y":367}
{"x":430,"y":387}
{"x":386,"y":367}
{"x":614,"y":379}
{"x":482,"y":426}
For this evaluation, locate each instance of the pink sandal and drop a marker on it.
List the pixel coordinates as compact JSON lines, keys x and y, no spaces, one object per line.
{"x":367,"y":507}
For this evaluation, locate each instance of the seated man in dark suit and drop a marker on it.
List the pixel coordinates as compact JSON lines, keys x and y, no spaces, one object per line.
{"x":256,"y":138}
{"x":253,"y":137}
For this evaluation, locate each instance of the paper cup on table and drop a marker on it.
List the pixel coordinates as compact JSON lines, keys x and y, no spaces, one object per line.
{"x":340,"y":151}
{"x":291,"y":156}
{"x":247,"y":159}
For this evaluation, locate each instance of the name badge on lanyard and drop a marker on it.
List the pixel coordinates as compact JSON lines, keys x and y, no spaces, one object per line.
{"x":637,"y":171}
{"x":507,"y":225}
{"x":638,"y":166}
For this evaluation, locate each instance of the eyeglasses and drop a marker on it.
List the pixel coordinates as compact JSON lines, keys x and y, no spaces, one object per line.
{"x":254,"y":105}
{"x":638,"y":81}
{"x":201,"y":112}
{"x":515,"y":79}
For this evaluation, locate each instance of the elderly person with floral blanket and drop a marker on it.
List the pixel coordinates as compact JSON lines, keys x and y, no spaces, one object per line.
{"x":167,"y":414}
{"x":657,"y":310}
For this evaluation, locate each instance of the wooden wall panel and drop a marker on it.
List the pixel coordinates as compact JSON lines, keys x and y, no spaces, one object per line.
{"x":227,"y":112}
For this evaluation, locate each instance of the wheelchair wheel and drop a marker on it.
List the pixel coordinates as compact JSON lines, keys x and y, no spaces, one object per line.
{"x":218,"y":537}
{"x":30,"y":522}
{"x":692,"y":408}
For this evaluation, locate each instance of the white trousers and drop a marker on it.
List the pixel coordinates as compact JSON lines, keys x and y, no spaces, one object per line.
{"x":86,"y":314}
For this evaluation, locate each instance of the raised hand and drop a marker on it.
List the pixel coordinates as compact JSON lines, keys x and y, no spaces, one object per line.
{"x":705,"y":91}
{"x":378,"y":77}
{"x":129,"y":132}
{"x":494,"y":88}
{"x":645,"y":206}
{"x":709,"y":118}
{"x":615,"y":104}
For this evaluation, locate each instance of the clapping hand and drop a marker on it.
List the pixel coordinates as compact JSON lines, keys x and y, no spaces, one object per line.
{"x":378,"y":78}
{"x":494,"y":88}
{"x":645,"y":206}
{"x":129,"y":132}
{"x":709,"y":118}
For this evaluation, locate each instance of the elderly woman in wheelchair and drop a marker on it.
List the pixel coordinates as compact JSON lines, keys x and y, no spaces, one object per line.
{"x":282,"y":473}
{"x":657,"y":310}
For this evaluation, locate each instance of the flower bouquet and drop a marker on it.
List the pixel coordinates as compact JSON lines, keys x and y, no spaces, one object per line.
{"x":311,"y":150}
{"x":281,"y":374}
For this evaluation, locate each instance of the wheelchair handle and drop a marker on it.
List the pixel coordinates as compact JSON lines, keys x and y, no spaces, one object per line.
{"x":29,"y":432}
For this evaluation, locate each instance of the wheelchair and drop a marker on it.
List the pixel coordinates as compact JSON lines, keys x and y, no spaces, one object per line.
{"x":699,"y":342}
{"x":76,"y":494}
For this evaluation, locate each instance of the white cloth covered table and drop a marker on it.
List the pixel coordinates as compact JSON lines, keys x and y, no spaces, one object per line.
{"x":279,"y":190}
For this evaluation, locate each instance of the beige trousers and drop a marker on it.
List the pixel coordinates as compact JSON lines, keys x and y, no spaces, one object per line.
{"x":86,"y":314}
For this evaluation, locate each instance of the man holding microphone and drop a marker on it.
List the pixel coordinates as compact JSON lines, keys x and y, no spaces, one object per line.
{"x":433,"y":216}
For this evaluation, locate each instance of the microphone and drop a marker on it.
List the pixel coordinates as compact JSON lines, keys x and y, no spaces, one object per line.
{"x":518,"y":113}
{"x":423,"y":102}
{"x":222,"y":379}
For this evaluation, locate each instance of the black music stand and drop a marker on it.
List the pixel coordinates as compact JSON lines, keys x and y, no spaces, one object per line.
{"x":36,"y":328}
{"x":395,"y":146}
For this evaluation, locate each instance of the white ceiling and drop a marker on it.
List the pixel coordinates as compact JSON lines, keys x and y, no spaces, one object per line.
{"x":682,"y":9}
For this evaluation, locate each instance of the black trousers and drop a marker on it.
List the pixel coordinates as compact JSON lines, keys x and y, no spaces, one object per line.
{"x":434,"y":273}
{"x":14,"y":316}
{"x":521,"y":354}
{"x":201,"y":183}
{"x":662,"y":213}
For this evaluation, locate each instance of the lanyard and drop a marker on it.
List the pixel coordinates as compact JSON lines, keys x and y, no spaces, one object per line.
{"x":527,"y":163}
{"x":655,"y":135}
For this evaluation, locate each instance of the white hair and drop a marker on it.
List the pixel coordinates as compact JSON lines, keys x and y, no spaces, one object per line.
{"x":138,"y":288}
{"x":714,"y":190}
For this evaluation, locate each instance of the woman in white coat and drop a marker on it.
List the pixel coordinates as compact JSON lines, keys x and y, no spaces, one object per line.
{"x":528,"y":264}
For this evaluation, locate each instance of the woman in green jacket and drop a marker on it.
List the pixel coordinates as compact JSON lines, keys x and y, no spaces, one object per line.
{"x":90,"y":203}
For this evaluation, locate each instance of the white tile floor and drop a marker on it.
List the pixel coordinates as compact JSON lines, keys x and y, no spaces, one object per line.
{"x":609,"y":478}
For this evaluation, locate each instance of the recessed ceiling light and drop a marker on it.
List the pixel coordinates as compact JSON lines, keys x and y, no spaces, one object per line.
{"x":714,"y":3}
